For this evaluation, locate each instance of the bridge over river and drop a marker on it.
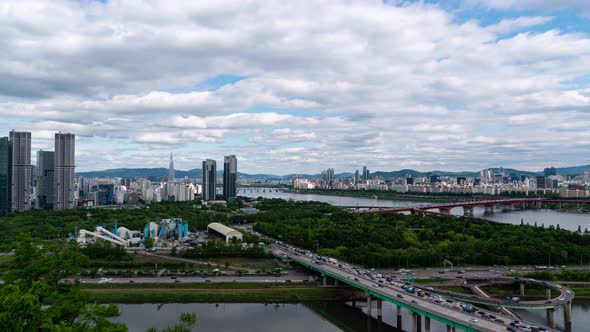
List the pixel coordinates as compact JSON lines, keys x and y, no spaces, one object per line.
{"x":419,"y":306}
{"x":489,"y":204}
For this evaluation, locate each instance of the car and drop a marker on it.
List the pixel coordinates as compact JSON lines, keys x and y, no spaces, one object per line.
{"x":548,"y":301}
{"x":356,"y":279}
{"x":473,"y":320}
{"x":207,"y":280}
{"x":414,"y":301}
{"x":176,"y":280}
{"x":498,"y":320}
{"x":400,"y":296}
{"x":131,"y":281}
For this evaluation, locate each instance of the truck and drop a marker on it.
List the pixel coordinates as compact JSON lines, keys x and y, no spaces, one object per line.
{"x":332,"y":260}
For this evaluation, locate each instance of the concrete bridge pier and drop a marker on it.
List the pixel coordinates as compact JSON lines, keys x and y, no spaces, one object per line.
{"x":444,"y":210}
{"x":468,"y":211}
{"x":369,"y":305}
{"x":399,"y":317}
{"x":451,"y":328}
{"x":426,"y":324}
{"x":522,"y":289}
{"x":567,"y":315}
{"x":379,"y":309}
{"x":416,"y":322}
{"x":336,"y":282}
{"x":324,"y":280}
{"x":489,"y":209}
{"x":551,"y":318}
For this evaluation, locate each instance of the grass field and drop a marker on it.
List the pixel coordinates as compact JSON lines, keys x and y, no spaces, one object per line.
{"x":215,"y":292}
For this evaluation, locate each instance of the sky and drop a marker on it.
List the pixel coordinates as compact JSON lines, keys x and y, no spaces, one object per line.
{"x":300,"y":86}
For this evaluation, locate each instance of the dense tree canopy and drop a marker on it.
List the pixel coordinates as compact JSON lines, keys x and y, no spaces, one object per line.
{"x":395,"y":240}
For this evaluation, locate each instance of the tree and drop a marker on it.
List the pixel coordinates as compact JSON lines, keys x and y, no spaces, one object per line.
{"x":36,"y":278}
{"x":148,"y":243}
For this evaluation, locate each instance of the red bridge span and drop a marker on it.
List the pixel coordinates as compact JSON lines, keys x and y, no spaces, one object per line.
{"x":490,"y":205}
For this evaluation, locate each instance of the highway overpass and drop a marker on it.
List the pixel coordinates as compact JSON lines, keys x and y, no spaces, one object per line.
{"x":419,"y":306}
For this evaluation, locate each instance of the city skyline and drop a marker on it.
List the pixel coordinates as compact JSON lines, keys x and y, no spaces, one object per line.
{"x":392,"y":84}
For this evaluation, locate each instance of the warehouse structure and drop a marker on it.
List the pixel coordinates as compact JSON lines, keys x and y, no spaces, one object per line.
{"x":224,"y":231}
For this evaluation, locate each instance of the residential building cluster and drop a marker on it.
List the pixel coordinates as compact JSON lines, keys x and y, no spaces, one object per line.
{"x":48,"y":185}
{"x":489,"y":182}
{"x":53,"y":184}
{"x":147,"y":190}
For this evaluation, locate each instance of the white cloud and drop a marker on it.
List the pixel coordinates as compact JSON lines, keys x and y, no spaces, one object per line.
{"x":323,"y":83}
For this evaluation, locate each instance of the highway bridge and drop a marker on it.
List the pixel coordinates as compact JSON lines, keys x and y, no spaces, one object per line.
{"x":419,"y":306}
{"x":490,"y":205}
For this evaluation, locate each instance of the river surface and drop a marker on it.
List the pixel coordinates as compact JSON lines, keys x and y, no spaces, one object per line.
{"x":566,"y":220}
{"x":295,"y":317}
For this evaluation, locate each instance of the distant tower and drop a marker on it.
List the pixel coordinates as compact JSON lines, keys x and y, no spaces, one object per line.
{"x":64,"y":158}
{"x":171,"y":168}
{"x":230,"y":176}
{"x":209,"y":179}
{"x":21,"y":171}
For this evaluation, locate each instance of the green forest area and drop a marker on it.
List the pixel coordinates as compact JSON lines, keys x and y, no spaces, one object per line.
{"x":397,"y":240}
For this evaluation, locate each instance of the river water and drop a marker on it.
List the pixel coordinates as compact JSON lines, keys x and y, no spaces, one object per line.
{"x":566,"y":220}
{"x":295,"y":317}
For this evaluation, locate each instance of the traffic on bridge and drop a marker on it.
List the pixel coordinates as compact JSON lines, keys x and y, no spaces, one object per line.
{"x":422,"y":303}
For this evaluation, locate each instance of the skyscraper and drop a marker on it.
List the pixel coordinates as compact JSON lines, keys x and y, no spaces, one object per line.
{"x":209,"y":179}
{"x":365,"y":173}
{"x":356,"y":177}
{"x":64,"y":164}
{"x":5,"y":175}
{"x":20,"y":197}
{"x":230,"y":176}
{"x":171,"y":168}
{"x":45,"y":179}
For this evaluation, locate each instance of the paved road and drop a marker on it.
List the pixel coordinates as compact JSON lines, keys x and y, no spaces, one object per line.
{"x":292,"y":276}
{"x":395,"y":293}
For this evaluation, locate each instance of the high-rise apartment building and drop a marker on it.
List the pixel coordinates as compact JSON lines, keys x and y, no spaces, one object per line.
{"x":5,"y":175}
{"x":230,"y":176}
{"x":20,"y":197}
{"x":356,"y":176}
{"x":540,"y":181}
{"x":45,"y":179}
{"x":64,"y":165}
{"x":209,"y":179}
{"x":366,"y":173}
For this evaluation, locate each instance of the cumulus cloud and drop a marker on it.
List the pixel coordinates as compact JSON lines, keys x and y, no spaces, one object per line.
{"x":322,"y":84}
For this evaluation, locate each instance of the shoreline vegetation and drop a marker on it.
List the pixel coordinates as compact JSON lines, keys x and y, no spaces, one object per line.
{"x":216,"y":292}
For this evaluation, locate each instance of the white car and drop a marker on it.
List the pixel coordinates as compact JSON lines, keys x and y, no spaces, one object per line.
{"x":473,"y":320}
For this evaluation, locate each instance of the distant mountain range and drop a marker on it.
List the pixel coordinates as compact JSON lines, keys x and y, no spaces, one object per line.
{"x":197,"y":173}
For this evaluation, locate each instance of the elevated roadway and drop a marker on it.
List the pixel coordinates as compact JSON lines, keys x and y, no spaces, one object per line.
{"x":395,"y":295}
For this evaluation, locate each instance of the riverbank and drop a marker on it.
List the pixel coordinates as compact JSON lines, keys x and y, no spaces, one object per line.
{"x":215,"y":292}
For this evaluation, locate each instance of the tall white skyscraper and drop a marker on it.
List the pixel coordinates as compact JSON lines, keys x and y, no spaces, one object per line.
{"x":21,"y":171}
{"x":64,"y":165}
